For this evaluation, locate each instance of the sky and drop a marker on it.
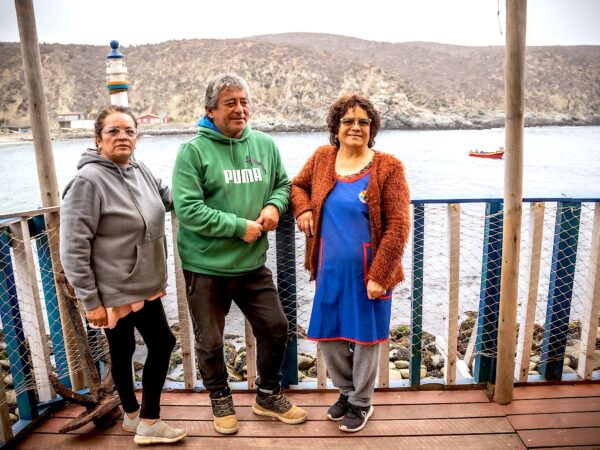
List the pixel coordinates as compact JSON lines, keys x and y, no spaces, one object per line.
{"x":460,"y":22}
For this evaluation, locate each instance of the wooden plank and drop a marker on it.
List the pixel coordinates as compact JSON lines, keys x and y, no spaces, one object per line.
{"x":321,"y":369}
{"x":558,"y":405}
{"x":186,"y":335}
{"x":453,"y":292}
{"x":319,"y":412}
{"x":428,"y":427}
{"x":562,"y":420}
{"x":29,"y":213}
{"x":250,"y":355}
{"x":31,"y":309}
{"x":591,"y":303}
{"x":473,"y":442}
{"x":536,"y":229}
{"x":557,"y":391}
{"x":384,"y":364}
{"x":329,"y":397}
{"x":561,"y":437}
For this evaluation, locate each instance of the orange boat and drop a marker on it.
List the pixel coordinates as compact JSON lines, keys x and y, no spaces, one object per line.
{"x":497,"y":154}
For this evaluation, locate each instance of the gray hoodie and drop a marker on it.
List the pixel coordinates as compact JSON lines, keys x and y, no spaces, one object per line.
{"x":112,"y":240}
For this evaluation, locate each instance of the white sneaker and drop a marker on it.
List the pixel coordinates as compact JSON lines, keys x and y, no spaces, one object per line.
{"x":158,"y":433}
{"x":130,"y":424}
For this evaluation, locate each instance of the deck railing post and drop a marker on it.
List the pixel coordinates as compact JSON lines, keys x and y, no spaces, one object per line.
{"x":416,"y":311}
{"x":38,"y":228}
{"x":560,"y":292}
{"x":285,"y":239}
{"x":484,"y":366}
{"x":14,"y":337}
{"x":589,"y":328}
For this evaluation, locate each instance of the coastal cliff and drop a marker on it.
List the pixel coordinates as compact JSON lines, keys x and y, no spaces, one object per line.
{"x":295,"y":77}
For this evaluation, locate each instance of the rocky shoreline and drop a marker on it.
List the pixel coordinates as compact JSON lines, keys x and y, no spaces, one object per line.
{"x":437,"y":122}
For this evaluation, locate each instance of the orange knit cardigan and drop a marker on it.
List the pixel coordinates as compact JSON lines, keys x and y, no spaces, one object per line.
{"x":387,"y":197}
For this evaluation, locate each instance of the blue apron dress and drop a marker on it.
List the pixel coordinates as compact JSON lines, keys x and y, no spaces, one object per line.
{"x":341,"y":308}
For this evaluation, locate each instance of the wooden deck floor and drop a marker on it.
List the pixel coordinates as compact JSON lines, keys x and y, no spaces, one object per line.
{"x":539,"y":417}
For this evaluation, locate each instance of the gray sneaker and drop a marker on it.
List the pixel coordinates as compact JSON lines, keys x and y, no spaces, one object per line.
{"x":356,"y":418}
{"x":158,"y":433}
{"x":337,"y":411}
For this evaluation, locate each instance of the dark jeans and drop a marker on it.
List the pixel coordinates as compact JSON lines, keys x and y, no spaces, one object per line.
{"x":209,"y":299}
{"x":152,"y":324}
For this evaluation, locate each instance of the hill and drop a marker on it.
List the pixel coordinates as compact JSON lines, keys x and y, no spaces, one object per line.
{"x":295,"y":77}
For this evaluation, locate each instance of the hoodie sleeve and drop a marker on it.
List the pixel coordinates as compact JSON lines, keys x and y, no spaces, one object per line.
{"x":79,"y":215}
{"x":188,"y":198}
{"x":163,"y":190}
{"x":280,"y":197}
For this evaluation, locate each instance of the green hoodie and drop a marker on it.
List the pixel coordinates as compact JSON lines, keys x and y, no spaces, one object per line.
{"x":218,"y":183}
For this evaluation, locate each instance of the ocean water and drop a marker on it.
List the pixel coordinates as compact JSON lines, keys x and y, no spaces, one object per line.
{"x":558,"y":162}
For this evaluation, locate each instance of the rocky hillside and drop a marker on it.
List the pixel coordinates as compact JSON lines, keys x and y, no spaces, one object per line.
{"x":295,"y":77}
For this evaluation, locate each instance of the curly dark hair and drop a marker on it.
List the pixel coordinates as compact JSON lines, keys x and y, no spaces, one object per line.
{"x":341,"y":107}
{"x":107,"y":111}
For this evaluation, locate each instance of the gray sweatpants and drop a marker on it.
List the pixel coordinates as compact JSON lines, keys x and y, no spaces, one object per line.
{"x":352,"y":368}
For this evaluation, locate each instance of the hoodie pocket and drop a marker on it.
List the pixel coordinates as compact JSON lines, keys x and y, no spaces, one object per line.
{"x":150,"y":270}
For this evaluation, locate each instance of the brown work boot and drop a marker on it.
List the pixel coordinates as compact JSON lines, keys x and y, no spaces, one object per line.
{"x":275,"y":404}
{"x":224,"y":419}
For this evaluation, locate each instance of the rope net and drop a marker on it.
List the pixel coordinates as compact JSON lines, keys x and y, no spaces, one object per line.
{"x":551,"y":308}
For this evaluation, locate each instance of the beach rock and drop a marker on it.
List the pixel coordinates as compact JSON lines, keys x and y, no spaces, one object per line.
{"x":11,"y":397}
{"x":312,"y":372}
{"x":399,"y":331}
{"x":405,"y":373}
{"x":567,"y":369}
{"x":5,"y":363}
{"x":240,"y":362}
{"x":535,"y":359}
{"x":233,"y":375}
{"x":392,"y":365}
{"x":437,"y":361}
{"x":305,"y":361}
{"x":533,"y":372}
{"x":402,"y":364}
{"x":395,"y":375}
{"x":8,"y":381}
{"x":532,"y":366}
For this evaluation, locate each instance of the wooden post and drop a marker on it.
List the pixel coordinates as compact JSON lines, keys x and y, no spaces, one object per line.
{"x":186,"y":336}
{"x":38,"y":113}
{"x":585,"y":368}
{"x":514,"y":76}
{"x":251,"y":372}
{"x":536,"y":229}
{"x":31,"y":309}
{"x":384,"y":364}
{"x":453,"y":291}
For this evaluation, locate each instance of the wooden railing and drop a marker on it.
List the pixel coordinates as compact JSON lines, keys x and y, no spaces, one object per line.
{"x":27,"y":321}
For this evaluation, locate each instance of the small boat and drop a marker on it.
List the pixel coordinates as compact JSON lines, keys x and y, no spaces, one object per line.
{"x":496,"y":154}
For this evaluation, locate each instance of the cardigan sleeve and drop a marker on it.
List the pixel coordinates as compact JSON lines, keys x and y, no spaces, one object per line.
{"x":302,"y":188}
{"x":386,"y":268}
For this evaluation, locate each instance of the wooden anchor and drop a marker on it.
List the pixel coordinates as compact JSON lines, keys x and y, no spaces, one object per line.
{"x":101,"y":404}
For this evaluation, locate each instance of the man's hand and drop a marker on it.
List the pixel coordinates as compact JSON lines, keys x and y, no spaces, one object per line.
{"x":374,"y":289}
{"x":306,"y":223}
{"x":268,"y":218}
{"x":253,"y":231}
{"x":97,"y":316}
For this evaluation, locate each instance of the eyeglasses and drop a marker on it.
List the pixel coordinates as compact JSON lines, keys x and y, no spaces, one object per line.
{"x":116,"y":132}
{"x":350,"y":121}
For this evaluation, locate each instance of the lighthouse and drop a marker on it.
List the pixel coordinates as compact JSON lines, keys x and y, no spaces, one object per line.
{"x":116,"y":76}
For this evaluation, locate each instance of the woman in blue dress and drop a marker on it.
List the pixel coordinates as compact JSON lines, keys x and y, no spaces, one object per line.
{"x":352,"y":202}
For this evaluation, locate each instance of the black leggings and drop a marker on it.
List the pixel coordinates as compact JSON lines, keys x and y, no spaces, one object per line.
{"x":152,"y":324}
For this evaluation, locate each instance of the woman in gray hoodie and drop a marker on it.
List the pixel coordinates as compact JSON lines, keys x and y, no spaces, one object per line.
{"x":113,"y":250}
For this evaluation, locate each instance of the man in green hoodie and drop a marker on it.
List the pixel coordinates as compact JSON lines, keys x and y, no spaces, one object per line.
{"x":229,"y":189}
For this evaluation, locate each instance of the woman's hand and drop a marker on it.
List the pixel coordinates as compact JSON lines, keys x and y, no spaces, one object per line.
{"x":305,"y":223}
{"x":374,"y":289}
{"x":97,"y":316}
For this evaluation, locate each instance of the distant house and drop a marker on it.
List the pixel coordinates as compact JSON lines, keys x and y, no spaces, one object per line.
{"x":75,"y":120}
{"x":150,"y":119}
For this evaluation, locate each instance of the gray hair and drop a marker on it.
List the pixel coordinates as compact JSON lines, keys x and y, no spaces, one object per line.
{"x":220,"y":82}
